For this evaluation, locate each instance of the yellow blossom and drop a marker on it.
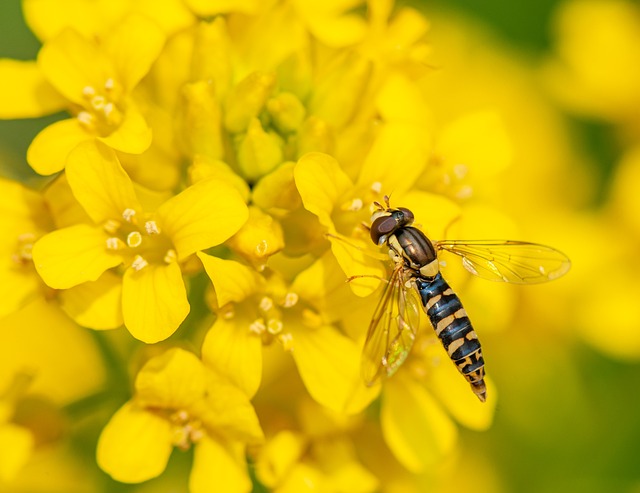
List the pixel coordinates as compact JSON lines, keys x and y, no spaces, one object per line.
{"x":151,"y":246}
{"x":179,"y":403}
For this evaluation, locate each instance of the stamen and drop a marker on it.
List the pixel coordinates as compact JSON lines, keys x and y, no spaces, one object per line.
{"x":128,"y":214}
{"x":356,"y":204}
{"x":139,"y":263}
{"x":134,"y":239}
{"x":88,"y":91}
{"x":287,"y":341}
{"x":290,"y":300}
{"x":151,"y":227}
{"x":111,"y":226}
{"x":85,"y":118}
{"x":115,"y":243}
{"x":170,"y":256}
{"x":257,"y":327}
{"x":108,"y":109}
{"x":266,"y":304}
{"x":109,"y":84}
{"x":465,"y":192}
{"x":460,"y":170}
{"x":376,"y":187}
{"x":262,"y":248}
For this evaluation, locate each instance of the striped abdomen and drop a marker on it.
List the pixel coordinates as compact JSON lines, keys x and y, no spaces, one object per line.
{"x":454,"y":329}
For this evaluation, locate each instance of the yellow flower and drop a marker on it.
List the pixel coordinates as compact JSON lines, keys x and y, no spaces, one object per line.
{"x":180,"y":403}
{"x":258,"y":310}
{"x":95,"y":81}
{"x":149,"y":246}
{"x":319,"y":456}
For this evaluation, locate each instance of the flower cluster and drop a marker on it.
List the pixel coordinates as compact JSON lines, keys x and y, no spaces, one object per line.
{"x":209,"y":185}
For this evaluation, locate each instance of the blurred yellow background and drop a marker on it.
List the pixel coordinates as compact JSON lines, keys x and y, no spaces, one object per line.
{"x":562,"y":81}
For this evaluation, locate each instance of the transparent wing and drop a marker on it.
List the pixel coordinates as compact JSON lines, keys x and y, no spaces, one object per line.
{"x":391,"y":332}
{"x":516,"y":262}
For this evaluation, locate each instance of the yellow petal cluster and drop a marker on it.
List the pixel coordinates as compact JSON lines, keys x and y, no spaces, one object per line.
{"x":209,"y":182}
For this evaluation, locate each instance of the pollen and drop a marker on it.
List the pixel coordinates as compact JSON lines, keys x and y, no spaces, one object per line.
{"x":262,"y":248}
{"x":266,"y":304}
{"x":139,"y":263}
{"x":170,"y":256}
{"x":257,"y":327}
{"x":115,"y":243}
{"x":134,"y":239}
{"x":287,"y":341}
{"x":111,"y":226}
{"x":151,"y":227}
{"x":290,"y":300}
{"x":128,"y":215}
{"x":85,"y":118}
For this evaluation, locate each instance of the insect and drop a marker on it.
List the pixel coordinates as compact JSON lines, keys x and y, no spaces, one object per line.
{"x":416,"y":280}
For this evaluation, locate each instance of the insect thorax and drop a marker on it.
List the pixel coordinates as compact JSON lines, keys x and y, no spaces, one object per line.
{"x":416,"y":251}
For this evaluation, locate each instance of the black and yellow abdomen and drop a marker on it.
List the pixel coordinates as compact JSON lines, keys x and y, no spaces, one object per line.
{"x":454,"y":330}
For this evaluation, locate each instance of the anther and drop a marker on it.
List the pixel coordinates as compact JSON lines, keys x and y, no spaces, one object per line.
{"x":128,"y":214}
{"x":88,"y":91}
{"x":460,"y":170}
{"x":98,"y":102}
{"x":151,"y":227}
{"x":262,"y":248}
{"x":170,"y":256}
{"x":109,"y":84}
{"x":257,"y":327}
{"x":111,"y":226}
{"x":376,"y":187}
{"x":108,"y":108}
{"x":266,"y":304}
{"x":85,"y":118}
{"x":287,"y":341}
{"x":115,"y":243}
{"x":139,"y":263}
{"x":290,"y":300}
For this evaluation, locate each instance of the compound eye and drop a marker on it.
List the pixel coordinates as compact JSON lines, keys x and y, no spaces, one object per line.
{"x":408,"y":215}
{"x":382,"y":228}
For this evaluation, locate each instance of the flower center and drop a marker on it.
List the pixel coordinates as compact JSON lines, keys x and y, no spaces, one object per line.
{"x":101,"y":113}
{"x":24,"y":246}
{"x":139,"y":239}
{"x":186,"y":430}
{"x":269,"y":324}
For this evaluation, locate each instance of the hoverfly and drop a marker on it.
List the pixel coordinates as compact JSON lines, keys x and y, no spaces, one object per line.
{"x":416,"y":280}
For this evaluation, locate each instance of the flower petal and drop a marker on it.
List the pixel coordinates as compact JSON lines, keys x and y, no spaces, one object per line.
{"x":133,"y":46}
{"x":218,"y":468}
{"x":415,"y":428}
{"x":135,"y":445}
{"x":232,"y":350}
{"x":49,"y":150}
{"x":70,"y":256}
{"x":321,"y":183}
{"x":17,"y":444}
{"x":154,"y":301}
{"x":41,"y":337}
{"x":202,"y":216}
{"x":133,"y":135}
{"x":100,"y":183}
{"x":329,"y":364}
{"x":228,"y":411}
{"x":97,"y":305}
{"x":71,"y":62}
{"x":172,"y":380}
{"x":233,"y":281}
{"x":24,"y":92}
